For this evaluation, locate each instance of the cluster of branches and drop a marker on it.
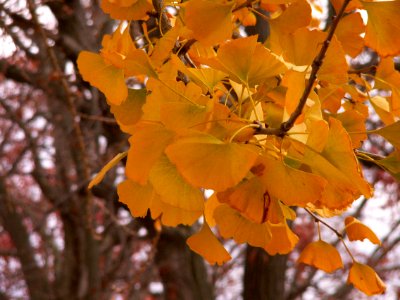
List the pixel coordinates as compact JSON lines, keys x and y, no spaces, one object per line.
{"x":57,"y":240}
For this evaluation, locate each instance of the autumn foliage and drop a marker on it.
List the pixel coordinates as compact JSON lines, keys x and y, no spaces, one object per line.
{"x":266,"y":126}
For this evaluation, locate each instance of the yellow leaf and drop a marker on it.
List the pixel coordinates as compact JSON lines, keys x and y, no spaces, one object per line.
{"x":210,"y":21}
{"x":387,"y":77}
{"x":391,"y":133}
{"x":383,"y":21}
{"x":206,"y":78}
{"x":348,"y":33}
{"x":181,"y":115}
{"x":147,"y":145}
{"x":140,"y":199}
{"x":207,"y":245}
{"x":322,"y":256}
{"x":365,"y":279}
{"x":382,"y":108}
{"x":173,"y":216}
{"x":292,"y":186}
{"x":357,"y":231}
{"x":206,"y":162}
{"x":211,"y":204}
{"x":249,"y":198}
{"x":137,"y":10}
{"x":354,"y":123}
{"x":334,"y":66}
{"x":338,"y":165}
{"x":391,"y":164}
{"x":137,"y":197}
{"x":283,"y":239}
{"x":112,"y":163}
{"x":246,"y":61}
{"x":172,"y":188}
{"x":106,"y":77}
{"x":130,"y":111}
{"x":232,"y":224}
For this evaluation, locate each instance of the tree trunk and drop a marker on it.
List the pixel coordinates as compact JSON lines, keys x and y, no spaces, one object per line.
{"x":264,"y":275}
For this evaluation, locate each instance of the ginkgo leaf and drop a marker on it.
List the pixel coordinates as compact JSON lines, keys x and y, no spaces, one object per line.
{"x":172,"y":188}
{"x":207,"y":245}
{"x":147,"y":145}
{"x":296,"y":15}
{"x":334,"y":67}
{"x":295,"y":83}
{"x":130,"y":111}
{"x":173,"y":216}
{"x":382,"y":108}
{"x":162,"y":50}
{"x":391,"y":164}
{"x":387,"y":77}
{"x":207,"y":78}
{"x":283,"y":239}
{"x":365,"y":279}
{"x":302,"y":46}
{"x":383,"y":21}
{"x":348,"y":33}
{"x":211,"y":204}
{"x":209,"y":20}
{"x":249,"y":198}
{"x":112,"y":163}
{"x":391,"y":133}
{"x":137,"y":197}
{"x":207,"y":162}
{"x":292,"y":186}
{"x":338,"y":164}
{"x":141,"y":198}
{"x":106,"y":77}
{"x":180,"y":115}
{"x":354,"y":123}
{"x":232,"y":224}
{"x":136,"y":11}
{"x":247,"y":61}
{"x":357,"y":231}
{"x":322,"y":256}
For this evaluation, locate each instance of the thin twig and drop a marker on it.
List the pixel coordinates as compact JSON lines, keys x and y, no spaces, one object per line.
{"x":316,"y":65}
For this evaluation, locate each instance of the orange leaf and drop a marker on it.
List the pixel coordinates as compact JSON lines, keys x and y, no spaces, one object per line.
{"x":283,"y":239}
{"x":137,"y":10}
{"x":292,"y":186}
{"x":137,"y":197}
{"x":322,"y":256}
{"x":391,"y":133}
{"x":210,"y":21}
{"x":383,"y":22}
{"x":357,"y":231}
{"x":348,"y":33}
{"x":248,"y":198}
{"x":247,"y":61}
{"x":106,"y":77}
{"x":112,"y":163}
{"x":147,"y":144}
{"x":207,"y":245}
{"x":130,"y":111}
{"x":232,"y":224}
{"x":206,"y":162}
{"x":173,"y":189}
{"x":365,"y":279}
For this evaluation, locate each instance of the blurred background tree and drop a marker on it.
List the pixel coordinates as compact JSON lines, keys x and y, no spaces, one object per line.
{"x":60,"y":241}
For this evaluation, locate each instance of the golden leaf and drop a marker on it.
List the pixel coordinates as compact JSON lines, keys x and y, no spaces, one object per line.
{"x":365,"y":279}
{"x":112,"y":163}
{"x":357,"y":231}
{"x":322,"y":256}
{"x":207,"y":245}
{"x":207,"y":162}
{"x":283,"y":239}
